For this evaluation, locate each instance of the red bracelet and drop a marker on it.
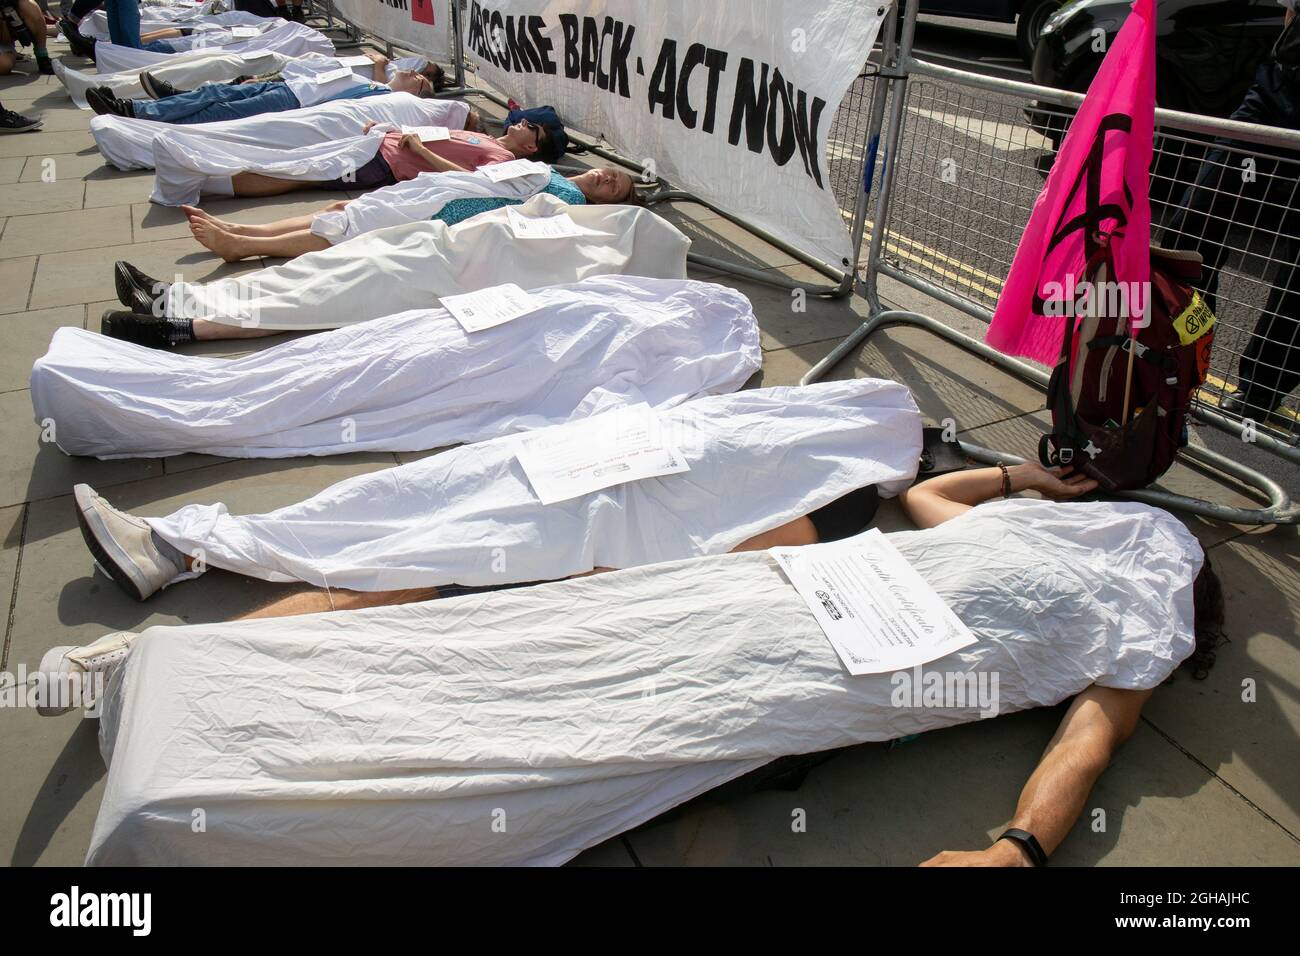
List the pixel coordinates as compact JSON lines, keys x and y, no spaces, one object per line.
{"x":1006,"y":480}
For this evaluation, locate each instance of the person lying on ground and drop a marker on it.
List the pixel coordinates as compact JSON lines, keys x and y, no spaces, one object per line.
{"x":1092,"y":603}
{"x":326,"y":141}
{"x":291,"y":39}
{"x":450,"y":198}
{"x":302,"y":82}
{"x":191,"y":71}
{"x":411,"y":381}
{"x":403,"y":155}
{"x":383,"y":70}
{"x":388,"y":270}
{"x":776,"y":466}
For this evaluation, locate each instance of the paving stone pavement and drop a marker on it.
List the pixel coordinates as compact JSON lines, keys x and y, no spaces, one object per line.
{"x":1208,"y":778}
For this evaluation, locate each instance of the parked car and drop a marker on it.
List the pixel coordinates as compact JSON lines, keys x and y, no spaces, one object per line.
{"x":1029,"y":16}
{"x":1206,"y":50}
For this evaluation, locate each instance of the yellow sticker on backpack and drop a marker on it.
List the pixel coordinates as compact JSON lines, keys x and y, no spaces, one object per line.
{"x":1195,"y":320}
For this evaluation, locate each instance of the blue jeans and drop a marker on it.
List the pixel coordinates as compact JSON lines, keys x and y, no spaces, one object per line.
{"x":214,"y":102}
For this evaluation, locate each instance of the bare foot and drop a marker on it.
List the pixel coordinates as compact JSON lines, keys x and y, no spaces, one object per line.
{"x":213,"y":237}
{"x":194,"y":212}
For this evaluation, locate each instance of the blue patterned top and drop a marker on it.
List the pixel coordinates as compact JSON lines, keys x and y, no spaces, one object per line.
{"x":458,"y":210}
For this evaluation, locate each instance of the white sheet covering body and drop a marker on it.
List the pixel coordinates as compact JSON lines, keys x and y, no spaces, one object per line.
{"x":420,"y":199}
{"x":221,"y":149}
{"x":283,"y":36}
{"x":468,"y":516}
{"x":586,"y":707}
{"x":406,"y":382}
{"x":159,"y":17}
{"x":411,"y":267}
{"x":185,"y":71}
{"x":189,"y":71}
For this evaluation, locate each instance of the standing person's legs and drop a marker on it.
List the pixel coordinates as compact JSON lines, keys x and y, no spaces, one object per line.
{"x":1270,"y":366}
{"x":123,"y":22}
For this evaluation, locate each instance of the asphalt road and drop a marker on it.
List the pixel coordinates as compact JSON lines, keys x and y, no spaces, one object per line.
{"x":969,"y":169}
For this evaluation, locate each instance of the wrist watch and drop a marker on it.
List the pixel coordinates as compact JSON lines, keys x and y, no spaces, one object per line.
{"x":1029,"y":842}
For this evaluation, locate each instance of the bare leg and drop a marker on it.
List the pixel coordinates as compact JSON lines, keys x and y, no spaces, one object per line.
{"x":206,"y":330}
{"x":233,"y":247}
{"x":316,"y":600}
{"x":277,"y":228}
{"x":168,"y":33}
{"x":255,"y":184}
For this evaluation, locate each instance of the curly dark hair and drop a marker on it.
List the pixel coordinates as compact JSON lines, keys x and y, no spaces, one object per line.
{"x":1208,"y":618}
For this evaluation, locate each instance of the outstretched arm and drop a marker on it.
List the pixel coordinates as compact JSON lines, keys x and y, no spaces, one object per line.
{"x":933,"y":502}
{"x":1099,"y":720}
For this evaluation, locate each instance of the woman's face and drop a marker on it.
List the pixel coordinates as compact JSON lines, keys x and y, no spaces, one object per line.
{"x":523,"y":138}
{"x":408,"y":81}
{"x":605,"y":185}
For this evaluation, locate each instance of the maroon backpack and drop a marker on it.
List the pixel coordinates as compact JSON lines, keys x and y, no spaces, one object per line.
{"x":1087,"y":390}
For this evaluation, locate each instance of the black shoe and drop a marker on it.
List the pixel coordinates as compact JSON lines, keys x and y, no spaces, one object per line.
{"x":137,"y":291}
{"x":1242,"y":404}
{"x":11,"y":122}
{"x":147,"y":330}
{"x":44,"y":66}
{"x":156,"y":88}
{"x":102,"y":100}
{"x":296,"y":15}
{"x":81,"y":45}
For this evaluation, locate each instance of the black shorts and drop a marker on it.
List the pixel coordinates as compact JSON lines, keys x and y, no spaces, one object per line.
{"x":846,"y":516}
{"x":373,"y":175}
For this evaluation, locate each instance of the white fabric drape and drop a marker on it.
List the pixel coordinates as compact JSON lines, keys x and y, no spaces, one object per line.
{"x":215,"y":149}
{"x":406,"y":382}
{"x":291,"y":39}
{"x":468,"y":516}
{"x":420,"y":199}
{"x":409,"y":267}
{"x":580,"y":709}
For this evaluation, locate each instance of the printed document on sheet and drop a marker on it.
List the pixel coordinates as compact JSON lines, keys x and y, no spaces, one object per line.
{"x":490,"y":307}
{"x":561,"y":226}
{"x":329,"y":76}
{"x":244,"y":33}
{"x":513,"y":169}
{"x":877,"y":612}
{"x":354,"y":61}
{"x":577,"y":458}
{"x":428,"y":134}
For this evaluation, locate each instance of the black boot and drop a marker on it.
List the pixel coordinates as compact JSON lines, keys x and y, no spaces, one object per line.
{"x":102,"y":100}
{"x":147,"y":330}
{"x":81,"y":45}
{"x":157,"y":88}
{"x":137,"y":291}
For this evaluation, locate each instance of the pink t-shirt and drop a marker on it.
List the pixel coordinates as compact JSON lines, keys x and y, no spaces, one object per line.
{"x":465,"y":149}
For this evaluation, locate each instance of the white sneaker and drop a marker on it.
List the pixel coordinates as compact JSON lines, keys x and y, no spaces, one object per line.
{"x":125,"y":546}
{"x":75,"y":675}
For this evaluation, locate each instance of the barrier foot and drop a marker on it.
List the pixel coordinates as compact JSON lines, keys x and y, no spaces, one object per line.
{"x":1279,"y":509}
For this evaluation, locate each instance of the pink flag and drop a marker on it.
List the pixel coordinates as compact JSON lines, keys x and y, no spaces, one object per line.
{"x":1099,"y":184}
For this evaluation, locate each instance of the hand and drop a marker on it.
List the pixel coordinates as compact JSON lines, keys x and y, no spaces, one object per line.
{"x":376,"y":56}
{"x":412,"y":142}
{"x":370,"y":124}
{"x":1059,"y":484}
{"x":1002,"y":853}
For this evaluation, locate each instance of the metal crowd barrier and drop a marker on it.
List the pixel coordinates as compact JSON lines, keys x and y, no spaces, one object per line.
{"x":954,"y":241}
{"x":848,"y":160}
{"x":961,"y":162}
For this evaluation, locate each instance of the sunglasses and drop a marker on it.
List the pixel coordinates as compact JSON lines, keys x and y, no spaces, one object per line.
{"x":538,"y":131}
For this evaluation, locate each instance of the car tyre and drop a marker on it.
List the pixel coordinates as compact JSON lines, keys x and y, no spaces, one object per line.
{"x":1033,"y":16}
